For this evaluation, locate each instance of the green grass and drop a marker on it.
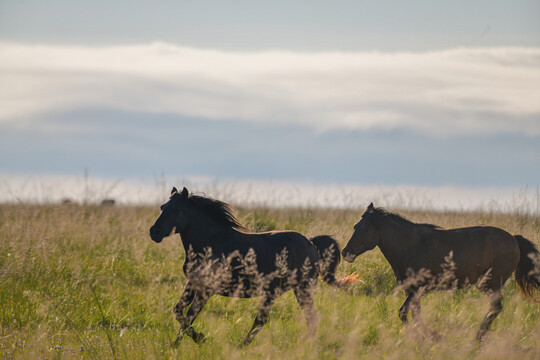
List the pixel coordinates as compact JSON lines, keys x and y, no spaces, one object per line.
{"x":87,"y":282}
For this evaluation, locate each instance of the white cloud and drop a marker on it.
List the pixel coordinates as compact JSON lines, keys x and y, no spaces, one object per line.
{"x":484,"y":90}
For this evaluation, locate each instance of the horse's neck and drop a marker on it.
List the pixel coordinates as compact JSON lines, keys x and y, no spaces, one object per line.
{"x":396,"y":242}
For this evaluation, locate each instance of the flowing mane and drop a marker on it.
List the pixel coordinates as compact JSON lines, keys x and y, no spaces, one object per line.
{"x":218,"y":210}
{"x":381,"y":213}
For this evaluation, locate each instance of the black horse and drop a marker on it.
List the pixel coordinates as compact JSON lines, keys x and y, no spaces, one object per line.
{"x":223,"y":259}
{"x":425,"y":257}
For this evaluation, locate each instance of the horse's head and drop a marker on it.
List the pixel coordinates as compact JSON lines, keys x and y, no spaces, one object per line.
{"x":364,"y":238}
{"x":172,"y":217}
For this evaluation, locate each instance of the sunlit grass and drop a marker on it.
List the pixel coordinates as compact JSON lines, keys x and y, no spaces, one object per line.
{"x":87,"y":282}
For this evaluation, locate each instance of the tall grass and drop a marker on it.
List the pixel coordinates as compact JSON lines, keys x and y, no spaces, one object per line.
{"x":87,"y":282}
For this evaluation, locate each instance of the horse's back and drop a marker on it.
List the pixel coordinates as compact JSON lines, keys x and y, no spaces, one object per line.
{"x":494,"y":241}
{"x":268,"y":245}
{"x":298,"y":246}
{"x":275,"y":239}
{"x":475,"y":251}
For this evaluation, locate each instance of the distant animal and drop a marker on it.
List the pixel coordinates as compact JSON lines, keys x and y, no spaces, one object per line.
{"x":223,"y":259}
{"x":108,"y":202}
{"x":426,"y":257}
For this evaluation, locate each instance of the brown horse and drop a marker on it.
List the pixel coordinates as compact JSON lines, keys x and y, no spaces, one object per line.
{"x":425,"y":257}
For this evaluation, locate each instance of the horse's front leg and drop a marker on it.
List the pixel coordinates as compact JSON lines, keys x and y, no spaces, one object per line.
{"x":404,"y":310}
{"x":412,"y":304}
{"x":197,"y":299}
{"x":185,"y":300}
{"x":417,"y":318}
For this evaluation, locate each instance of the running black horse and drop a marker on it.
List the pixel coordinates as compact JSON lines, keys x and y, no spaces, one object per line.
{"x":223,"y":259}
{"x":425,"y":257}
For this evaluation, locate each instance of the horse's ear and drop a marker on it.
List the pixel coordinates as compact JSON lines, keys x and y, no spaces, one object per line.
{"x":174,"y":190}
{"x":185,"y":193}
{"x":370,"y":207}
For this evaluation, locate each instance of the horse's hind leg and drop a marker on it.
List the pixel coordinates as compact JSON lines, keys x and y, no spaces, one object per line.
{"x":265,"y":304}
{"x":305,"y":300}
{"x":494,"y":310}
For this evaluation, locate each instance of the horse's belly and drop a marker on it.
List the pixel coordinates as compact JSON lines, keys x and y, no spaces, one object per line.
{"x":248,"y":287}
{"x":238,"y":291}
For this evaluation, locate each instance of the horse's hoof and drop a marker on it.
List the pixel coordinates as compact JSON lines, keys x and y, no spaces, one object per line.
{"x":199,"y":338}
{"x":479,"y":340}
{"x":178,"y":339}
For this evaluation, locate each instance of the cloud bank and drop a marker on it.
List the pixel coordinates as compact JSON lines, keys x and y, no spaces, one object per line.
{"x":46,"y":189}
{"x":468,"y":90}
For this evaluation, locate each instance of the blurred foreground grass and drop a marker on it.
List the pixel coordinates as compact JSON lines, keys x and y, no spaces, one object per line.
{"x":87,"y":282}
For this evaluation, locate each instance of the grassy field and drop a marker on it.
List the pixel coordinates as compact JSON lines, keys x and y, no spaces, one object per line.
{"x":87,"y":282}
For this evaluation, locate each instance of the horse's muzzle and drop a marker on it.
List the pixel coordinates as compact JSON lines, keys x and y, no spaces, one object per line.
{"x":348,"y":256}
{"x":155,"y":234}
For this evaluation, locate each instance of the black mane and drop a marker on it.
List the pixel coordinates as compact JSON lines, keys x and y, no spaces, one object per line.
{"x":218,"y":210}
{"x":398,"y":219}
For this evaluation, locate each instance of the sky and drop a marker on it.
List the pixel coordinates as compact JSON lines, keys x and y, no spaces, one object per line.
{"x":421,"y":93}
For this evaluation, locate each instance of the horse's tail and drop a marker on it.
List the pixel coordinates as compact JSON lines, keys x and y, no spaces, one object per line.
{"x":528,"y":270}
{"x":330,"y":255}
